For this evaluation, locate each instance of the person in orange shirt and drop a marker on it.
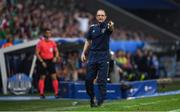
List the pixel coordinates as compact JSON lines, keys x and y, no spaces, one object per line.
{"x":47,"y":54}
{"x":8,"y":43}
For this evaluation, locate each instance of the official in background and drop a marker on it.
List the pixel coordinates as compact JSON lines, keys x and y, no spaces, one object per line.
{"x":47,"y":54}
{"x":96,"y":52}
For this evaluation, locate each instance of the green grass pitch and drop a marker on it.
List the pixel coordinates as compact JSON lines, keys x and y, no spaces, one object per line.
{"x":159,"y":103}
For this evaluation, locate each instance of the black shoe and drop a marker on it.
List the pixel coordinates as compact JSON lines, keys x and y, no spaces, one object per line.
{"x":93,"y":105}
{"x":100,"y":102}
{"x":42,"y":96}
{"x":93,"y":102}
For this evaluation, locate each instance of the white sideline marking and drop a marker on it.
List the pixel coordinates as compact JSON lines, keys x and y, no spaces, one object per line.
{"x":67,"y":108}
{"x":112,"y":103}
{"x":150,"y":103}
{"x":177,"y":110}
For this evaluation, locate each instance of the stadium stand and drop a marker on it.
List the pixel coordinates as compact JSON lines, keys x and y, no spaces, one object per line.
{"x":165,"y":18}
{"x":162,"y":13}
{"x":23,"y":20}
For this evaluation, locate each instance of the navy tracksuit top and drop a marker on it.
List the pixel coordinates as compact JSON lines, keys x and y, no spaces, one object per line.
{"x":100,"y":36}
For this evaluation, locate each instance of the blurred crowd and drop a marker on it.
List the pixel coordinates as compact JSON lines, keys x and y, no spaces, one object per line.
{"x":126,"y":34}
{"x":25,"y":21}
{"x":142,"y":65}
{"x":71,"y":68}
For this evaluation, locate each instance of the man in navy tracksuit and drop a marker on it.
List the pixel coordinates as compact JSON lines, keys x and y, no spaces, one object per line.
{"x":97,"y":49}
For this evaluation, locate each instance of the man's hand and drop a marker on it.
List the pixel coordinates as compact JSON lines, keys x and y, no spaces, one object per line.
{"x":44,"y":64}
{"x":56,"y":59}
{"x":111,"y":25}
{"x":83,"y":57}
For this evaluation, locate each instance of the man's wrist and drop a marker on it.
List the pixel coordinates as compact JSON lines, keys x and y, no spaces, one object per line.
{"x":84,"y":52}
{"x":55,"y":58}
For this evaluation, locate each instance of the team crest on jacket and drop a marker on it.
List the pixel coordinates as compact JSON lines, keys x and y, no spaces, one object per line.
{"x":103,"y":30}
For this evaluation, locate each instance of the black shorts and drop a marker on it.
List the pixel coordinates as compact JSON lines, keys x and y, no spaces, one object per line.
{"x":50,"y":69}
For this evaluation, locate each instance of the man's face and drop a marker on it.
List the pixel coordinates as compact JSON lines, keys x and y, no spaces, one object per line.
{"x":101,"y":16}
{"x":48,"y":34}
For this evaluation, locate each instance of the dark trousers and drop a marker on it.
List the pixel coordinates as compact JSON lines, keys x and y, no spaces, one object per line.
{"x":97,"y":68}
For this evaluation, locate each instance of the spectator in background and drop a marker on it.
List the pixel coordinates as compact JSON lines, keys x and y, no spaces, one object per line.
{"x":141,"y":64}
{"x":124,"y":63}
{"x":2,"y":34}
{"x":122,"y":59}
{"x":156,"y":65}
{"x":8,"y":43}
{"x":80,"y":66}
{"x":71,"y":69}
{"x":5,"y":22}
{"x":153,"y":64}
{"x":71,"y":66}
{"x":1,"y":6}
{"x":82,"y":71}
{"x":83,"y":19}
{"x":27,"y":19}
